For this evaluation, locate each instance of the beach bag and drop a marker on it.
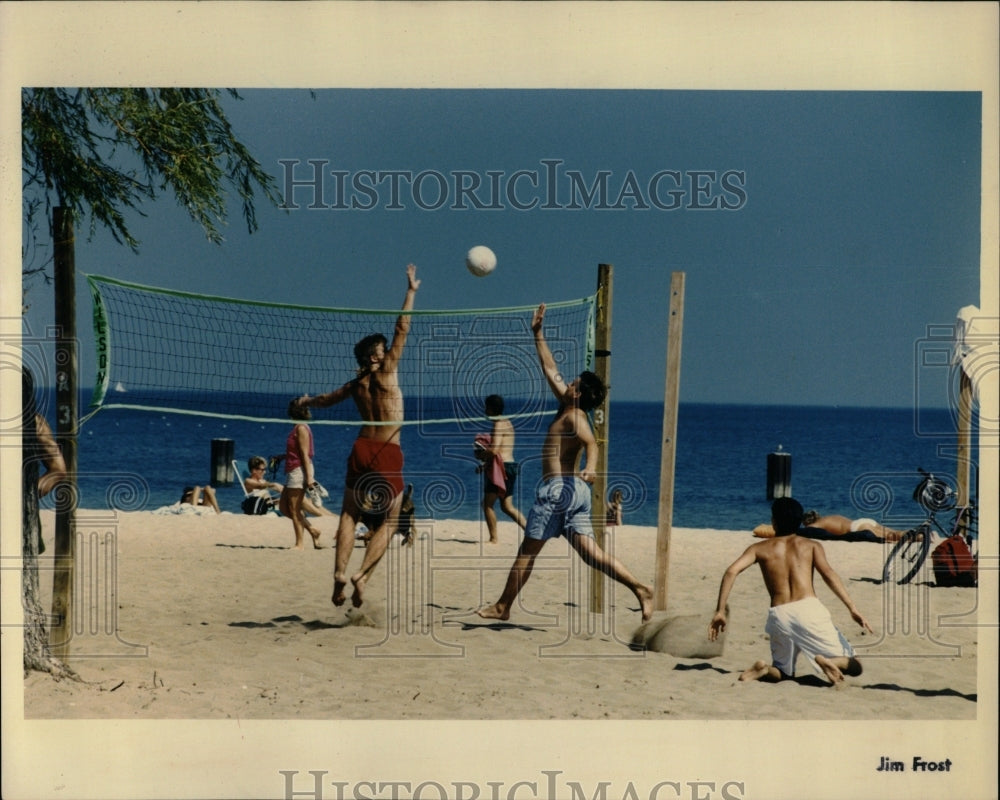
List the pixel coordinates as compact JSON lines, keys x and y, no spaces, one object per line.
{"x":255,"y":505}
{"x":953,"y":563}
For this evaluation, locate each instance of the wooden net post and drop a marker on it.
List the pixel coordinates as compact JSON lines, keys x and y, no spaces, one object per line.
{"x":602,"y":367}
{"x":64,"y":268}
{"x":668,"y":452}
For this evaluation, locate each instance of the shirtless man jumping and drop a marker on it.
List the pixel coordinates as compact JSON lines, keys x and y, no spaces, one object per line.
{"x":374,"y":482}
{"x":562,"y":504}
{"x":797,"y":621}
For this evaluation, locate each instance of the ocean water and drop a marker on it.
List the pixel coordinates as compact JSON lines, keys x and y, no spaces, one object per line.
{"x":852,"y":461}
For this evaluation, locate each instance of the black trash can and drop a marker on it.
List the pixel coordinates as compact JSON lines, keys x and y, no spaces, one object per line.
{"x":779,"y":474}
{"x":222,"y":462}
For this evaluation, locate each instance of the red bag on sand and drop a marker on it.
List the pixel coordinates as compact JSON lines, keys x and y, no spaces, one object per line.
{"x":953,"y":563}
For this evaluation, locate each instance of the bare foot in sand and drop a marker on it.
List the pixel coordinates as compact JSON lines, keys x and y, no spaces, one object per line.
{"x":760,"y":669}
{"x":338,"y":597}
{"x":315,"y":537}
{"x":359,"y":590}
{"x":494,"y":612}
{"x":645,"y":595}
{"x":832,"y":672}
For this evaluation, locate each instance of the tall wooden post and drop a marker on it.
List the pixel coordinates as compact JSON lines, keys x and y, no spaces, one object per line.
{"x":602,"y":367}
{"x":668,"y":452}
{"x":64,"y":270}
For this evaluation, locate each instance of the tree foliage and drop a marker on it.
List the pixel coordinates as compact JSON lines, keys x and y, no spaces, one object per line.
{"x":104,"y":151}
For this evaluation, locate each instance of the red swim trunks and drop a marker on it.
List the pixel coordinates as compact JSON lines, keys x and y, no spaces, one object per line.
{"x":375,"y":472}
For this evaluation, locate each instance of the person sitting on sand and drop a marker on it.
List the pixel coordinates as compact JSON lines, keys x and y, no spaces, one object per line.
{"x":833,"y":526}
{"x":563,"y":500}
{"x":200,"y":496}
{"x":797,"y":621}
{"x":257,"y":485}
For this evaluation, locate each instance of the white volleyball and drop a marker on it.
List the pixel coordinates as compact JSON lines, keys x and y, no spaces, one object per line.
{"x":480,"y":260}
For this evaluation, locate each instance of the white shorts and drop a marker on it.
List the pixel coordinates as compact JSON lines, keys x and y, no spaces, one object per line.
{"x":806,"y":627}
{"x":296,"y":479}
{"x":864,"y":525}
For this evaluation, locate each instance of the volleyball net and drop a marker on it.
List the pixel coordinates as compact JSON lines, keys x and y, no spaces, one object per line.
{"x":181,"y":352}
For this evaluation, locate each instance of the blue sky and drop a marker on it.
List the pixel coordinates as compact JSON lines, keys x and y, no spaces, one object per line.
{"x":853,"y":224}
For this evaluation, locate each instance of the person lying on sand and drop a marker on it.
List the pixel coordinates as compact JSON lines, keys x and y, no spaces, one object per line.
{"x":833,"y":526}
{"x":797,"y":621}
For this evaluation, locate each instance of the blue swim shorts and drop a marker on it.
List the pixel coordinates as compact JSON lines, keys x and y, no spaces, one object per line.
{"x":561,"y":505}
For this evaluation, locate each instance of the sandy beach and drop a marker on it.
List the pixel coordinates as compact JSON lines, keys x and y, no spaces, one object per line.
{"x":215,"y":617}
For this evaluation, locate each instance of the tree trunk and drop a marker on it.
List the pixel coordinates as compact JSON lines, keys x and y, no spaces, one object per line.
{"x":36,"y":637}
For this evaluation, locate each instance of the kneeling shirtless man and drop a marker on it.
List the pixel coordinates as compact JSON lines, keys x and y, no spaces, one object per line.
{"x":797,"y":621}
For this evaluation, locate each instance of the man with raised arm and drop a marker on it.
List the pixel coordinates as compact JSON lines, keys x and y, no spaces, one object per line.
{"x":563,"y":500}
{"x":797,"y":621}
{"x":374,"y":482}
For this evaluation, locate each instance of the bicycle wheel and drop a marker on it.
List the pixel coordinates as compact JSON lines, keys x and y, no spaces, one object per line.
{"x":907,"y":556}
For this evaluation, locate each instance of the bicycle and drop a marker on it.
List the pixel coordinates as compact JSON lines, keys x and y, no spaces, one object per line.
{"x":910,"y":552}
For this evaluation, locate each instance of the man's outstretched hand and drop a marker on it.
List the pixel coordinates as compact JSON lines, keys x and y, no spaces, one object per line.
{"x":411,"y":277}
{"x":538,"y":318}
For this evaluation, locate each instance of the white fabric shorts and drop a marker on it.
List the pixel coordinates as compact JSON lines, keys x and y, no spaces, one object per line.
{"x":296,"y":479}
{"x":806,"y":627}
{"x":561,"y":504}
{"x":863,"y":525}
